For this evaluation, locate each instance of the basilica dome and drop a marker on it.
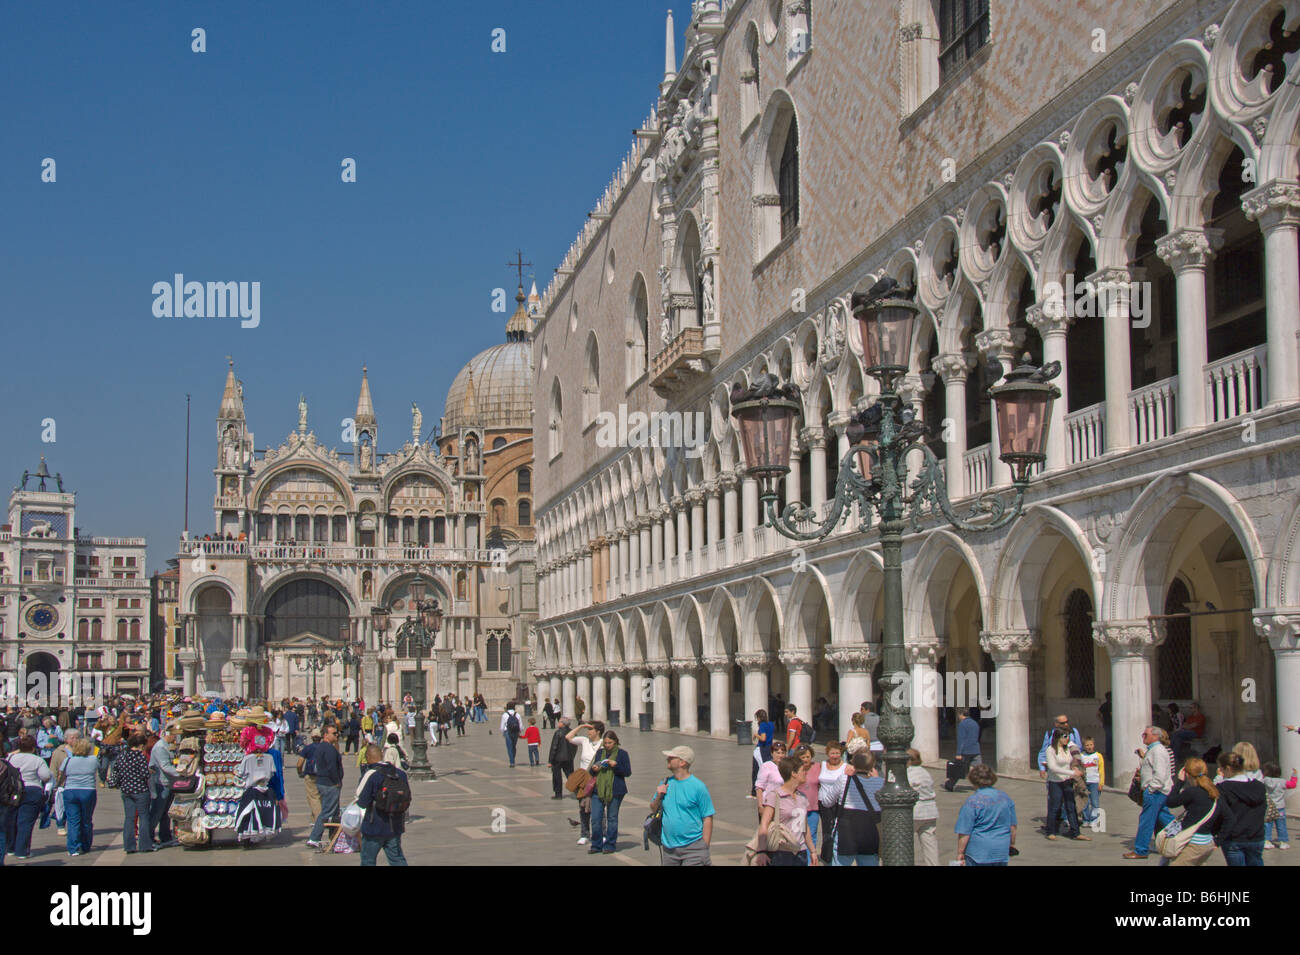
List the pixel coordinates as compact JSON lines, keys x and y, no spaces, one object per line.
{"x":495,"y":388}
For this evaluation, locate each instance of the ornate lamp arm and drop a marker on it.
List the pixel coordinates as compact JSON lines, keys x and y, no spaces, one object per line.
{"x":849,"y":488}
{"x":929,"y":497}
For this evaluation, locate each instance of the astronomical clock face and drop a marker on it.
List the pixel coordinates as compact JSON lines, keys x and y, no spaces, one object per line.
{"x":41,"y":617}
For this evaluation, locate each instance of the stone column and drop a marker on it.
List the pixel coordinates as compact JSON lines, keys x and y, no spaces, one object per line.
{"x":814,"y":439}
{"x":1052,"y":324}
{"x":800,"y":663}
{"x":583,"y":690}
{"x":618,"y":696}
{"x":719,"y":695}
{"x":1281,"y":628}
{"x":1187,"y":252}
{"x":644,"y":523}
{"x":660,"y":698}
{"x":681,"y":506}
{"x":568,"y":692}
{"x":1011,"y":652}
{"x":695,"y":496}
{"x":1112,"y":287}
{"x":640,"y":680}
{"x":996,"y":343}
{"x":624,"y":562}
{"x":657,"y":547}
{"x":749,"y":515}
{"x":853,"y":664}
{"x":1131,"y":644}
{"x":543,"y":688}
{"x":1276,"y":206}
{"x":670,"y":543}
{"x":730,"y":514}
{"x":952,"y":368}
{"x":688,"y":696}
{"x":557,"y":687}
{"x":923,"y":659}
{"x":713,"y":516}
{"x":756,"y":667}
{"x":794,"y":480}
{"x":599,"y":701}
{"x":634,"y":581}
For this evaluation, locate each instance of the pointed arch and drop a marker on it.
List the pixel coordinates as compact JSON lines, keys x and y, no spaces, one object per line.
{"x":926,"y":587}
{"x":1022,"y":561}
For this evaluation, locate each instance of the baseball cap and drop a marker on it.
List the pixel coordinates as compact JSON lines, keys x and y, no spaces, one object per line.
{"x":684,"y":753}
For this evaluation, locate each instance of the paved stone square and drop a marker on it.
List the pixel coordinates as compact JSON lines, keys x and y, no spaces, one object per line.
{"x":452,"y":817}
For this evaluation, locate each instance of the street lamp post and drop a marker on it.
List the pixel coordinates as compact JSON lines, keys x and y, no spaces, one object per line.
{"x":419,"y":632}
{"x":315,"y":663}
{"x":349,"y":654}
{"x":881,"y":437}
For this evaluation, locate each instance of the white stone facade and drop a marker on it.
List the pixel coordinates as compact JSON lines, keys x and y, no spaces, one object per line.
{"x":1166,"y":156}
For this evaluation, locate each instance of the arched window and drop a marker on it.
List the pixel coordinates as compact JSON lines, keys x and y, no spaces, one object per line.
{"x":1080,"y":669}
{"x":306,"y":606}
{"x":498,"y":443}
{"x":440,"y":530}
{"x":96,"y":629}
{"x":493,"y":654}
{"x":135,"y":629}
{"x":750,"y":94}
{"x":462,"y":586}
{"x":555,"y":420}
{"x":638,"y":332}
{"x":1153,"y":348}
{"x":498,"y":511}
{"x":525,"y":513}
{"x":121,"y":630}
{"x":788,"y":180}
{"x":1085,"y":354}
{"x":1174,"y":656}
{"x":591,"y":382}
{"x":83,"y":629}
{"x":963,"y":29}
{"x":524,"y":484}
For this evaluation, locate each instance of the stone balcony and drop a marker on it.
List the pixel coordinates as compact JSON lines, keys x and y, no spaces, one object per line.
{"x":679,"y":362}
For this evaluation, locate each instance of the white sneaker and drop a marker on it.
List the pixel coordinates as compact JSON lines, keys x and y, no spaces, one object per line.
{"x":1284,"y":845}
{"x":1269,"y":845}
{"x":582,"y":841}
{"x":314,"y":845}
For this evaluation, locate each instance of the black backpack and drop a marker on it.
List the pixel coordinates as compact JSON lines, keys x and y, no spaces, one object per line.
{"x":394,"y":795}
{"x":512,"y":724}
{"x":11,"y":785}
{"x":806,"y":732}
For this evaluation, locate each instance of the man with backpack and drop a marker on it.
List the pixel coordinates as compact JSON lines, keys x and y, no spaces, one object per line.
{"x":796,"y":730}
{"x":510,"y":730}
{"x":385,"y":795}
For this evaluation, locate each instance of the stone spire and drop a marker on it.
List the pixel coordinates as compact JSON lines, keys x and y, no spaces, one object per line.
{"x":364,"y":419}
{"x":534,"y":302}
{"x":470,"y":412}
{"x":232,"y":399}
{"x":520,"y":325}
{"x":670,"y":54}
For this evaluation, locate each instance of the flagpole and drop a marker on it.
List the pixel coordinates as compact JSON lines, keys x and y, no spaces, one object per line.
{"x":187,"y":464}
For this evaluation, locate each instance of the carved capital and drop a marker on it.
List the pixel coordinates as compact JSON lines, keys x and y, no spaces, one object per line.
{"x":695,"y":496}
{"x":858,"y":658}
{"x":909,"y":32}
{"x":951,"y":367}
{"x":728,"y":481}
{"x":686,"y":664}
{"x":800,"y":658}
{"x":753,"y":662}
{"x":1273,"y":204}
{"x":996,"y":342}
{"x":716,"y":664}
{"x":1281,"y":628}
{"x":927,"y":653}
{"x":1010,"y":646}
{"x":1189,"y":248}
{"x":1049,"y":318}
{"x":1128,"y":638}
{"x":839,"y":420}
{"x":912,"y":389}
{"x":659,"y":667}
{"x":814,"y":437}
{"x":644,"y":522}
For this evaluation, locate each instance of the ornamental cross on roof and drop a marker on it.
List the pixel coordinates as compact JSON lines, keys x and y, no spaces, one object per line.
{"x":519,"y":265}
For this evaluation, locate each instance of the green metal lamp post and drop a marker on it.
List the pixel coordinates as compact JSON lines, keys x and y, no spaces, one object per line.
{"x":881,"y":437}
{"x":419,"y":632}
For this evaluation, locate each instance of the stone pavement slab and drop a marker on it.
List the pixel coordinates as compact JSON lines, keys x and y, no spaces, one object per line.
{"x":479,"y":811}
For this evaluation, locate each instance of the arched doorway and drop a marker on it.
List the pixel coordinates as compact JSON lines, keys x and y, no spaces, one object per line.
{"x":215,"y":672}
{"x":41,"y":679}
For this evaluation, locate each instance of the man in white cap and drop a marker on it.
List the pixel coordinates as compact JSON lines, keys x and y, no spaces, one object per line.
{"x":687,"y":812}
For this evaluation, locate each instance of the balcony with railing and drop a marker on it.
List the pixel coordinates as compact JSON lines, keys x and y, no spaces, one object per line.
{"x":1085,"y":433}
{"x":1236,"y":385}
{"x":208,"y":548}
{"x":977,"y":468}
{"x":679,"y":360}
{"x":1153,"y":411}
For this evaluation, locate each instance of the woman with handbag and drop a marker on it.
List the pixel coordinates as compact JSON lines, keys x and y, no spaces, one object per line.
{"x":856,"y":835}
{"x":786,"y":809}
{"x":77,"y":777}
{"x":1060,"y":788}
{"x":1204,"y":816}
{"x":610,"y":769}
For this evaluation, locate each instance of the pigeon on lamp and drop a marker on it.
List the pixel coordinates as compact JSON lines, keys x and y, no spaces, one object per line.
{"x":1047,"y":372}
{"x":766,"y":385}
{"x":884,"y":285}
{"x":738,"y":392}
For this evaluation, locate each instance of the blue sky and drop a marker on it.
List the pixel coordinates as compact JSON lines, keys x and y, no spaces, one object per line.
{"x":225,"y":166}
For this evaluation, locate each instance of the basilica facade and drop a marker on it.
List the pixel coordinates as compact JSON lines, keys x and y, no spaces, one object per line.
{"x":308,"y":539}
{"x":987,"y":155}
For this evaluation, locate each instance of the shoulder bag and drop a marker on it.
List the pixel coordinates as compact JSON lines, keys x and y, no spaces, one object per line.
{"x":1173,"y":839}
{"x":654,"y":823}
{"x":1135,"y":787}
{"x":827,"y":855}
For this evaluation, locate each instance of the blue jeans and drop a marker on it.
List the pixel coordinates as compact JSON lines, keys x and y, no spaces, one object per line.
{"x":604,"y":823}
{"x":29,"y":810}
{"x":1060,"y":795}
{"x":329,"y":809}
{"x":135,"y":807}
{"x":814,"y":822}
{"x":1094,"y":802}
{"x":370,"y":846}
{"x":859,"y":859}
{"x":511,"y":743}
{"x":970,"y":862}
{"x":1278,"y":828}
{"x":1154,"y":815}
{"x":1244,"y":853}
{"x":160,"y":823}
{"x":534,"y":754}
{"x":79,"y":805}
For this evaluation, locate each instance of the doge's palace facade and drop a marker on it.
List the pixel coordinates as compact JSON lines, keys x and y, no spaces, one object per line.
{"x":799,"y":150}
